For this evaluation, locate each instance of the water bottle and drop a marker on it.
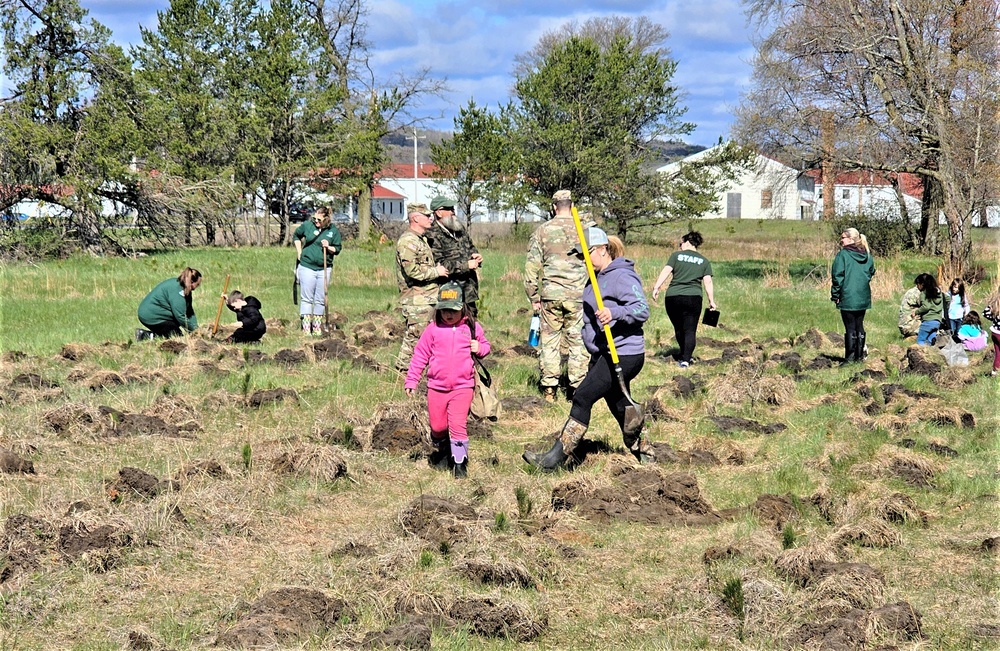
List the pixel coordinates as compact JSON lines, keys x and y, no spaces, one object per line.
{"x":534,"y":331}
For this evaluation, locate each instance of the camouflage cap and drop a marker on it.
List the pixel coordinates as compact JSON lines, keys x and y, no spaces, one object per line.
{"x":417,"y":207}
{"x":450,"y":297}
{"x":562,"y":195}
{"x":441,"y":202}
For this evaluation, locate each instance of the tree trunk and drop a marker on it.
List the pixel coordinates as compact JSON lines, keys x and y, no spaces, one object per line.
{"x":931,"y":205}
{"x":365,"y":213}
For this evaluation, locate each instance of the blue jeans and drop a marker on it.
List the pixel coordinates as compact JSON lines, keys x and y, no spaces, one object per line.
{"x":927,"y":332}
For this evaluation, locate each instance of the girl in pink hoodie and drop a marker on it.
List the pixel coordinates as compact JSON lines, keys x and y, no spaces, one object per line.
{"x":445,"y":349}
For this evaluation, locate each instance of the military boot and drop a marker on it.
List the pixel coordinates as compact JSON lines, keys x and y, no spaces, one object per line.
{"x":549,"y":393}
{"x":570,"y":436}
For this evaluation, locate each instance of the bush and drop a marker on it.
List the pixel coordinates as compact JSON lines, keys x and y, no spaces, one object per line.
{"x":887,"y":234}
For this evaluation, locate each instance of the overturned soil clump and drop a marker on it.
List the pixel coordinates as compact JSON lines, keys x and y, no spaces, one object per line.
{"x":271,"y":396}
{"x":282,"y":616}
{"x":638,"y":495}
{"x":439,"y":520}
{"x":138,"y":424}
{"x":502,"y":573}
{"x":396,"y":435}
{"x":410,"y":634}
{"x":12,"y":463}
{"x":775,"y":509}
{"x":132,"y":481}
{"x":289,"y":357}
{"x":378,"y":329}
{"x":316,"y":461}
{"x":489,"y":618}
{"x":75,"y":540}
{"x":730,"y":424}
{"x":337,"y":348}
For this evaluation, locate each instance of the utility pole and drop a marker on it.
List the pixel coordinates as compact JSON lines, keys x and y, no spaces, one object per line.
{"x":416,"y":183}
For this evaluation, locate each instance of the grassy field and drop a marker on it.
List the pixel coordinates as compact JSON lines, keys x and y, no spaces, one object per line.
{"x":190,"y":494}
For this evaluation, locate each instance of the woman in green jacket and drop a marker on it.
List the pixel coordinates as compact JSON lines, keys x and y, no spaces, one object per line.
{"x":167,"y":308}
{"x":931,"y":310}
{"x":851,"y":274}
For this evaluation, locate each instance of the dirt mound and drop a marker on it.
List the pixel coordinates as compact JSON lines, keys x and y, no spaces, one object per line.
{"x":138,"y":424}
{"x":281,"y":616}
{"x":32,"y":381}
{"x":338,"y":348}
{"x":790,"y":360}
{"x":925,"y":360}
{"x":439,"y":520}
{"x":377,"y":330}
{"x":173,"y":346}
{"x":24,"y":539}
{"x":489,"y":618}
{"x":730,"y":424}
{"x":990,"y":545}
{"x":897,"y":619}
{"x":814,"y":338}
{"x":206,"y":468}
{"x":289,"y":357}
{"x":403,"y":635}
{"x":316,"y":461}
{"x":685,"y":387}
{"x":104,"y":380}
{"x":12,"y":463}
{"x":821,"y":363}
{"x":776,"y":509}
{"x":522,"y":350}
{"x":64,"y":418}
{"x":396,"y":435}
{"x":638,"y":495}
{"x":838,"y":634}
{"x":503,"y":573}
{"x":694,"y":457}
{"x":77,"y":539}
{"x":271,"y":396}
{"x":132,"y":481}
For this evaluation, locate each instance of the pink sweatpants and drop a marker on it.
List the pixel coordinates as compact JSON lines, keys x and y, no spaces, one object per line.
{"x":449,"y":412}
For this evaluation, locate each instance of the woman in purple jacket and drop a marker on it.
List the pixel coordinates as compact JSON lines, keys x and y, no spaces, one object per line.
{"x":625,"y":310}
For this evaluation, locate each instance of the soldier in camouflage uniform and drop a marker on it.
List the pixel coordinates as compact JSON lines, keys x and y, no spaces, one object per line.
{"x":554,"y":280}
{"x":418,"y":277}
{"x":453,"y":249}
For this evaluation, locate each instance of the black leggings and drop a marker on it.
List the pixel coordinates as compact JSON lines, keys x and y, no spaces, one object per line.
{"x":683,"y":312}
{"x":854,"y":322}
{"x":601,"y":382}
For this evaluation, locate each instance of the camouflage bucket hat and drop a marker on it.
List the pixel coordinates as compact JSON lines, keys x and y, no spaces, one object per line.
{"x":450,"y":297}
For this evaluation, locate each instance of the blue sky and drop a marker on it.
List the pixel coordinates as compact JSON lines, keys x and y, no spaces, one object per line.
{"x":472,"y":43}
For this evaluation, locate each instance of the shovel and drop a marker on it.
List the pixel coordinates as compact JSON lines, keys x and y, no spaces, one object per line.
{"x":222,"y":301}
{"x":634,"y":416}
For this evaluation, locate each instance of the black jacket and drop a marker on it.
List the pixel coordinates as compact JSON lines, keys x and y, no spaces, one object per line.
{"x":249,"y":315}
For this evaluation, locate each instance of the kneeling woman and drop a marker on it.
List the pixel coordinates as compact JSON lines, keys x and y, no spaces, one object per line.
{"x":625,"y":310}
{"x":167,"y":308}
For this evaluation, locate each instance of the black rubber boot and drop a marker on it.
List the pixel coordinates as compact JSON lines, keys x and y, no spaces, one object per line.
{"x":549,"y":461}
{"x":859,"y":347}
{"x":462,"y":469}
{"x":850,"y":341}
{"x":440,"y":458}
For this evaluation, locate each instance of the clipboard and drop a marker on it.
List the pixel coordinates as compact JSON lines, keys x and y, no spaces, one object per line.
{"x":711,"y":317}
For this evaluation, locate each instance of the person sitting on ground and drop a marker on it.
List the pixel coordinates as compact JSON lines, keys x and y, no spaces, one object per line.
{"x":931,"y":310}
{"x":909,"y":322}
{"x":250,"y":326}
{"x":971,"y":333}
{"x":167,"y":308}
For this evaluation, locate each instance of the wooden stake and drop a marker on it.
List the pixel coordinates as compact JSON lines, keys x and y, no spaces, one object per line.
{"x":222,"y":301}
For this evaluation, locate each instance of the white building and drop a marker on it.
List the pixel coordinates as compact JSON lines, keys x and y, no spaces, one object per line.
{"x":872,"y":193}
{"x":766,"y":190}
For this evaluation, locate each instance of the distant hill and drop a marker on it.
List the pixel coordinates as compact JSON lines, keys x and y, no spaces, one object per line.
{"x":400,"y":147}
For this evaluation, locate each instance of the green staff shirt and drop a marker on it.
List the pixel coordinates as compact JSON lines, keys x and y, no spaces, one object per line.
{"x":689,"y":268}
{"x":312,"y":237}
